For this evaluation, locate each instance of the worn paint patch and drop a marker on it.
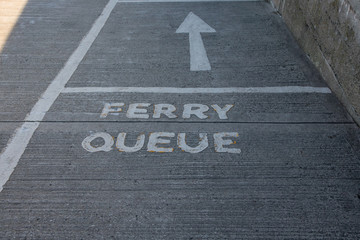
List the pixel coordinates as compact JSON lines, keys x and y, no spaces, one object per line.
{"x":164,"y":110}
{"x":161,"y":142}
{"x":194,"y":26}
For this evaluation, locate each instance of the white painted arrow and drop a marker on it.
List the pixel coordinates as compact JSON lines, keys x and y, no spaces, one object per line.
{"x":194,"y":26}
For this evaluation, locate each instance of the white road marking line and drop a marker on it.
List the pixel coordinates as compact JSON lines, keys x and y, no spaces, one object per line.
{"x":287,"y":89}
{"x":170,"y":1}
{"x":16,"y":146}
{"x":194,"y":26}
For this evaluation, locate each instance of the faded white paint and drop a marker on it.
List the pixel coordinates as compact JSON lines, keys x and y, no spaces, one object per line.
{"x":120,"y":143}
{"x":106,"y":147}
{"x":194,"y":26}
{"x":138,"y":110}
{"x":16,"y":146}
{"x":113,"y":108}
{"x":166,"y":109}
{"x":272,"y":90}
{"x":161,"y":138}
{"x":158,"y":138}
{"x":203,"y":144}
{"x":195,"y":109}
{"x":220,"y":142}
{"x":222,"y":112}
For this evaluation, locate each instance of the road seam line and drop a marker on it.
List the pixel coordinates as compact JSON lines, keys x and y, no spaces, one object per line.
{"x":192,"y":122}
{"x":17,"y":144}
{"x":175,"y":1}
{"x":273,"y":90}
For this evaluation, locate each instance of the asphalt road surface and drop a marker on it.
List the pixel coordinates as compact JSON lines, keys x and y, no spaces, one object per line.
{"x":170,"y":120}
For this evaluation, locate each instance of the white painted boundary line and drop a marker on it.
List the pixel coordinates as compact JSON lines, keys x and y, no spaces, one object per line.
{"x":16,"y":146}
{"x":287,"y":89}
{"x":170,"y":1}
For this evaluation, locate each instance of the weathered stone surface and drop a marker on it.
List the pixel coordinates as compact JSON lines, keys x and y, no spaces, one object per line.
{"x":329,"y":32}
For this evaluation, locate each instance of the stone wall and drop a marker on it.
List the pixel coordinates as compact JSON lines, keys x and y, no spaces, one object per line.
{"x":329,"y":32}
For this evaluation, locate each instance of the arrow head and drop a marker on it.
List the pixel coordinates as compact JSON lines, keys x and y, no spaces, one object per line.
{"x":193,"y":23}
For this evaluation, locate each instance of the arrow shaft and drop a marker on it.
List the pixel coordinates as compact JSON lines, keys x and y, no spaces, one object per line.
{"x":198,"y":57}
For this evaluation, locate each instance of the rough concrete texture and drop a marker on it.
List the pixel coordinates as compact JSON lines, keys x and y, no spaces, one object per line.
{"x":291,"y":181}
{"x":44,"y":36}
{"x":329,"y":32}
{"x":296,"y":177}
